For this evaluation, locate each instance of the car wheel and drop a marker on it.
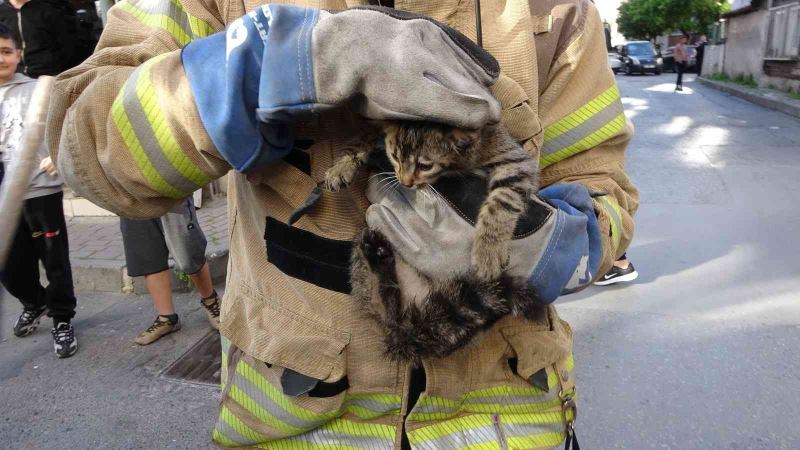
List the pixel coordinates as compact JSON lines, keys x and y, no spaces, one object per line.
{"x":659,"y":72}
{"x":628,"y":70}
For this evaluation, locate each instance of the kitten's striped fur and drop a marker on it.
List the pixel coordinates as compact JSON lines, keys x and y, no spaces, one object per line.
{"x":453,"y":311}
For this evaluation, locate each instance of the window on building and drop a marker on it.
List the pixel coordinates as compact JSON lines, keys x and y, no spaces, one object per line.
{"x":783,"y":41}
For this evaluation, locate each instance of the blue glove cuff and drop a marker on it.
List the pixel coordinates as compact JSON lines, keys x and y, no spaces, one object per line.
{"x":574,"y":251}
{"x":245,"y":109}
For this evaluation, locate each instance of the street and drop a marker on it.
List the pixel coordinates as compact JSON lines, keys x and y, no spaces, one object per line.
{"x":701,"y":352}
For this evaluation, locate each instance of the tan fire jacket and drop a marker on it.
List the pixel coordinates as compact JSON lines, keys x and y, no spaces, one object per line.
{"x":126,"y":134}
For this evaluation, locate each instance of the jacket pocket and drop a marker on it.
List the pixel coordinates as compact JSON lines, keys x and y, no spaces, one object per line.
{"x":539,"y":349}
{"x":283,"y":376}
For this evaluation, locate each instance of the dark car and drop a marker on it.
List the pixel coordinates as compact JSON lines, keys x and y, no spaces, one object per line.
{"x":669,"y":58}
{"x":640,"y":57}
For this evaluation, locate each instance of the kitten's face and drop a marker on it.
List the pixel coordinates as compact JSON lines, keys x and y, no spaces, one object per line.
{"x":422,"y":152}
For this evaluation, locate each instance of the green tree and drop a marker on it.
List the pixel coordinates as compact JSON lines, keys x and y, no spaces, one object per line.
{"x":643,"y":19}
{"x":646,"y":19}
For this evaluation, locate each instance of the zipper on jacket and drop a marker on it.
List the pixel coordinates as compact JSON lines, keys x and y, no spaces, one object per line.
{"x":22,"y":41}
{"x":500,"y":434}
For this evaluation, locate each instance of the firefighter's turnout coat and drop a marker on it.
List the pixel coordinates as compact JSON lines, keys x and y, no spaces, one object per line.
{"x":302,"y":367}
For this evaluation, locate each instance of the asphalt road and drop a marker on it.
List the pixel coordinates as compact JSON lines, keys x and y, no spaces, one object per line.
{"x":701,"y":352}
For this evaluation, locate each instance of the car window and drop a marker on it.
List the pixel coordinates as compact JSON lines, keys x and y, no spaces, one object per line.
{"x":643,"y":49}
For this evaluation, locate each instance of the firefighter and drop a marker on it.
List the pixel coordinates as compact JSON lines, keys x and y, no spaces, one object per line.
{"x":179,"y":92}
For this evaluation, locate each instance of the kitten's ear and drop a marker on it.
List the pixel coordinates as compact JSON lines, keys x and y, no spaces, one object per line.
{"x":463,"y":139}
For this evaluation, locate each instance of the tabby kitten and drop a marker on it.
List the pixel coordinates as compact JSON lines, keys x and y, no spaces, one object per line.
{"x":421,"y":152}
{"x":423,"y":317}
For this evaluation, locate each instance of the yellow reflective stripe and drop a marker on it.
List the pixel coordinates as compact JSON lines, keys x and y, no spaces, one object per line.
{"x":158,"y":21}
{"x":593,"y":123}
{"x":546,"y":440}
{"x":170,"y":16}
{"x":223,"y":440}
{"x":281,"y":400}
{"x":614,"y":213}
{"x":340,"y":434}
{"x":598,"y":137}
{"x":582,"y":114}
{"x":154,"y":179}
{"x":161,"y":130}
{"x":450,"y":427}
{"x":260,"y":413}
{"x":246,"y":434}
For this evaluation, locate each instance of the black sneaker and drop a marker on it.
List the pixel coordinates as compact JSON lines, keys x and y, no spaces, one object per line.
{"x":617,"y":275}
{"x":64,"y":340}
{"x":28,"y":321}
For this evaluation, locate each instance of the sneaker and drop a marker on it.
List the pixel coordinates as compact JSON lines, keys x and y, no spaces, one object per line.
{"x":617,"y":275}
{"x":64,"y":340}
{"x":211,"y":304}
{"x":157,"y":330}
{"x":28,"y":321}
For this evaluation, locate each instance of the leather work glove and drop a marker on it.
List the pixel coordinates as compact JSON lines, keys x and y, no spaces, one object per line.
{"x":281,"y":61}
{"x":556,"y":245}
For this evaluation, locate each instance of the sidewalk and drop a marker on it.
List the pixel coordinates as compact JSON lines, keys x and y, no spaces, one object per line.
{"x":768,"y":98}
{"x":98,"y":261}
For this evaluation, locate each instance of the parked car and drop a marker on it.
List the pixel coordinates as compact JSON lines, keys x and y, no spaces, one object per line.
{"x":641,"y":57}
{"x":614,"y":62}
{"x":669,"y":58}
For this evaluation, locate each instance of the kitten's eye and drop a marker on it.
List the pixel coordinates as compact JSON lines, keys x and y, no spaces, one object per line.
{"x":424,"y":166}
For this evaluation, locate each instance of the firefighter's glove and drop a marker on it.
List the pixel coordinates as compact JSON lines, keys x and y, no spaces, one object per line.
{"x":279,"y":62}
{"x":556,"y":246}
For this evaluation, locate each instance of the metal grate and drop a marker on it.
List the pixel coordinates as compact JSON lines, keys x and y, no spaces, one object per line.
{"x":200,"y":364}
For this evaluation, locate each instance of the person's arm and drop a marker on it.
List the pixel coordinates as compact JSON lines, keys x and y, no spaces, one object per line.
{"x":123,"y":126}
{"x":586,"y":132}
{"x":144,"y":122}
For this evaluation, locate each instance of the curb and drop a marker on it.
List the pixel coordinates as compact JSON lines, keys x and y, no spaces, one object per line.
{"x":97,"y":275}
{"x":767,"y":99}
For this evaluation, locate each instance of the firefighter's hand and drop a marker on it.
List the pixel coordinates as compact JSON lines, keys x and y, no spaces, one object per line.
{"x":48,"y":166}
{"x":281,"y":62}
{"x":556,"y":252}
{"x":392,"y":64}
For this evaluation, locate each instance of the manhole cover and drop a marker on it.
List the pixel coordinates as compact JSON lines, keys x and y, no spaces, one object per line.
{"x":200,"y":364}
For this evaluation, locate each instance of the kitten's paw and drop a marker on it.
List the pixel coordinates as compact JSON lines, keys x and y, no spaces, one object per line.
{"x":376,"y":248}
{"x":489,"y":262}
{"x":341,"y":174}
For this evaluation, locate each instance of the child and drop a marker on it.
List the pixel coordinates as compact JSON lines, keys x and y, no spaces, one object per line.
{"x":42,"y":232}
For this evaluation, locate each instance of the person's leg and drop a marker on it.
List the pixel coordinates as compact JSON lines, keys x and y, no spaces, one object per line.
{"x":187,"y":245}
{"x":159,"y":285}
{"x":21,"y":279}
{"x":46,"y":216}
{"x":146,"y":254}
{"x":679,"y":82}
{"x":202,"y":281}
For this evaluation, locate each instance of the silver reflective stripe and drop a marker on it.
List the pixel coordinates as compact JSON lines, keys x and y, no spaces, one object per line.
{"x":530,"y":429}
{"x":516,"y":399}
{"x":230,"y":433}
{"x":428,"y":408}
{"x":335,"y":440}
{"x":169,"y":9}
{"x":268,"y":404}
{"x":585,"y":129}
{"x":373,"y":405}
{"x":144,"y":132}
{"x":461,"y":438}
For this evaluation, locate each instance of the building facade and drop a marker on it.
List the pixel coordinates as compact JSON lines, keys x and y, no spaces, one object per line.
{"x":760,"y":38}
